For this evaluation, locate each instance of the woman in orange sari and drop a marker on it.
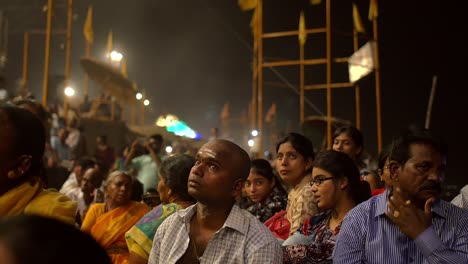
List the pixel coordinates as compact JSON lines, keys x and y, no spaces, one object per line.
{"x":107,"y":222}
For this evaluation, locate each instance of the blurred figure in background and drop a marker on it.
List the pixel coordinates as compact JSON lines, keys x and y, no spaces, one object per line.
{"x":27,"y":239}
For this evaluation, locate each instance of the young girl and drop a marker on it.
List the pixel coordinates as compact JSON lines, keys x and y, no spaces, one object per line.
{"x":266,"y":194}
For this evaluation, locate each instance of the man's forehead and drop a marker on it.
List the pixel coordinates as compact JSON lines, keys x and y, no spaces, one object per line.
{"x":421,"y":151}
{"x":214,"y":150}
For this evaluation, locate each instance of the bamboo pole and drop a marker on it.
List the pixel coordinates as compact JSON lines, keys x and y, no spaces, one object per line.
{"x":301,"y":77}
{"x":329,"y":61}
{"x":68,"y":56}
{"x":260,"y":77}
{"x":254,"y":79}
{"x":47,"y":54}
{"x":24,"y":81}
{"x":86,"y":77}
{"x":429,"y":105}
{"x":357,"y":89}
{"x":377,"y":84}
{"x":293,"y":33}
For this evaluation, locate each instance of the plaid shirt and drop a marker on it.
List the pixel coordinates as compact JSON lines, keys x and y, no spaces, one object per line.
{"x":242,"y":239}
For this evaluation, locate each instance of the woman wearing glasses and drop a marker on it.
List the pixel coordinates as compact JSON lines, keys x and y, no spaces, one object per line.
{"x":337,"y":189}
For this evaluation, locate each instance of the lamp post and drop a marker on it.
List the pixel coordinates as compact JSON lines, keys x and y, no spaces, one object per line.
{"x":69,"y":92}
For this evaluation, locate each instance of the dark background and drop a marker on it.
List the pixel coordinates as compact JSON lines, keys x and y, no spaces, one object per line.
{"x":193,"y":56}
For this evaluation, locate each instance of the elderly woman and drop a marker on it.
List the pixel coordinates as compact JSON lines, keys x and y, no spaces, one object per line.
{"x":337,"y":188}
{"x":107,"y":222}
{"x":22,"y":137}
{"x":172,"y":189}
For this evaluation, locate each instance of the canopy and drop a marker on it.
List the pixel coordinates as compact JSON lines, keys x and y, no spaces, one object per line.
{"x":111,"y":80}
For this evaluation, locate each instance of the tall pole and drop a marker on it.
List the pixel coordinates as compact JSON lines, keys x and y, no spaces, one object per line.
{"x":377,"y":84}
{"x":429,"y":105}
{"x":357,"y":89}
{"x":328,"y":84}
{"x":86,"y":77}
{"x":68,"y":56}
{"x":301,"y":77}
{"x":253,"y":106}
{"x":47,"y":54}
{"x":24,"y":81}
{"x":260,"y":77}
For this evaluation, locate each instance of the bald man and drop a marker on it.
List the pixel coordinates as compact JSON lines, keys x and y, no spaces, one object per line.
{"x":215,"y":230}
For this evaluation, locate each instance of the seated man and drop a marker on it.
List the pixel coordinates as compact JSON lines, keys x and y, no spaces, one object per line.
{"x":22,"y":137}
{"x":215,"y":230}
{"x":408,"y":223}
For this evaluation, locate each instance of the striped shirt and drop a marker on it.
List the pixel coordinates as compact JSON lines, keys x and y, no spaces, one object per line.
{"x":368,"y":236}
{"x":242,"y":239}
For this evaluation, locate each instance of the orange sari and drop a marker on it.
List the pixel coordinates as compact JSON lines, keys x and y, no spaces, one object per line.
{"x":109,"y":228}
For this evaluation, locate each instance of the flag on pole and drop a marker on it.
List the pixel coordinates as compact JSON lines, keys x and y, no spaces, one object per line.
{"x":247,"y":4}
{"x":109,"y":43}
{"x":373,"y":10}
{"x":88,"y":26}
{"x":315,"y":2}
{"x":123,"y":68}
{"x":271,"y":114}
{"x":225,"y":112}
{"x":357,"y":20}
{"x":302,"y":29}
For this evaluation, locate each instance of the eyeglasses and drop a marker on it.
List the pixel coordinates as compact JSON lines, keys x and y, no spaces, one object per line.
{"x":319,"y":181}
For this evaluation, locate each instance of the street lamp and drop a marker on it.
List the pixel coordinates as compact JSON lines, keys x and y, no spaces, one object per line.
{"x":116,"y":56}
{"x":254,"y":133}
{"x":139,"y":96}
{"x":146,"y":102}
{"x":69,"y":91}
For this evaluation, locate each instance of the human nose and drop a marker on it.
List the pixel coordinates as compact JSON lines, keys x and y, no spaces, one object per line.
{"x":197,"y":170}
{"x":435,"y":175}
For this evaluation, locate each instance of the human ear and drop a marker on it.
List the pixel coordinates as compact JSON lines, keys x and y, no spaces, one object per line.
{"x":343,"y":183}
{"x":21,"y":168}
{"x":394,"y":167}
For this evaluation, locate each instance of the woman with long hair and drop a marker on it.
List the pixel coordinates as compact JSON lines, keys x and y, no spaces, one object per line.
{"x":264,"y":191}
{"x":337,"y":188}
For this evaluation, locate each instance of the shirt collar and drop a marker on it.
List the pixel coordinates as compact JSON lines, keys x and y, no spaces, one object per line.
{"x":235,"y":219}
{"x":381,"y":206}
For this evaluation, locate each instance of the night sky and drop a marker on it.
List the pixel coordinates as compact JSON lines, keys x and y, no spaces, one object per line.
{"x":193,"y":56}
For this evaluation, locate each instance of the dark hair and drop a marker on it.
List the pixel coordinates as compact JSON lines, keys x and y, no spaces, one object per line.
{"x":300,"y":143}
{"x":400,"y":150}
{"x":158,"y":138}
{"x":85,"y":163}
{"x":175,"y":171}
{"x":383,"y":157}
{"x":263,"y":168}
{"x":341,"y":165}
{"x":28,"y":134}
{"x":41,"y":240}
{"x":41,"y":112}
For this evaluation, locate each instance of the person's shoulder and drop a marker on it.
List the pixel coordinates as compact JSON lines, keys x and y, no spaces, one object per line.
{"x":52,"y":203}
{"x":454,"y":212}
{"x":364,"y":209}
{"x":255,"y":227}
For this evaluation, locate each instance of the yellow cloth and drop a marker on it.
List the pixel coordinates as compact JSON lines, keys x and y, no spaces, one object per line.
{"x":301,"y":204}
{"x":109,"y":228}
{"x":30,"y":198}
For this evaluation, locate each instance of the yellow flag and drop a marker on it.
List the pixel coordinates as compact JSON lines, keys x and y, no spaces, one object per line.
{"x":315,"y":2}
{"x":302,"y":28}
{"x":88,"y":26}
{"x":109,"y":42}
{"x":271,"y":114}
{"x":373,"y":10}
{"x":357,"y":20}
{"x":254,"y":23}
{"x":123,"y":68}
{"x":225,"y":112}
{"x":247,"y":4}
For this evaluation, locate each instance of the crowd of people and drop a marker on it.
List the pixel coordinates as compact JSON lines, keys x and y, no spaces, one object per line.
{"x":220,"y":205}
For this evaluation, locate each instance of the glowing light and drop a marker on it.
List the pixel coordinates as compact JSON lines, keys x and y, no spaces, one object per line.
{"x":116,"y":56}
{"x":146,"y":102}
{"x":139,"y":96}
{"x":69,"y":91}
{"x":254,"y":133}
{"x":169,"y":149}
{"x":251,"y":142}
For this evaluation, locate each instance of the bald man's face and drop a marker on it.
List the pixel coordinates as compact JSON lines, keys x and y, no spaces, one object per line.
{"x":215,"y":176}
